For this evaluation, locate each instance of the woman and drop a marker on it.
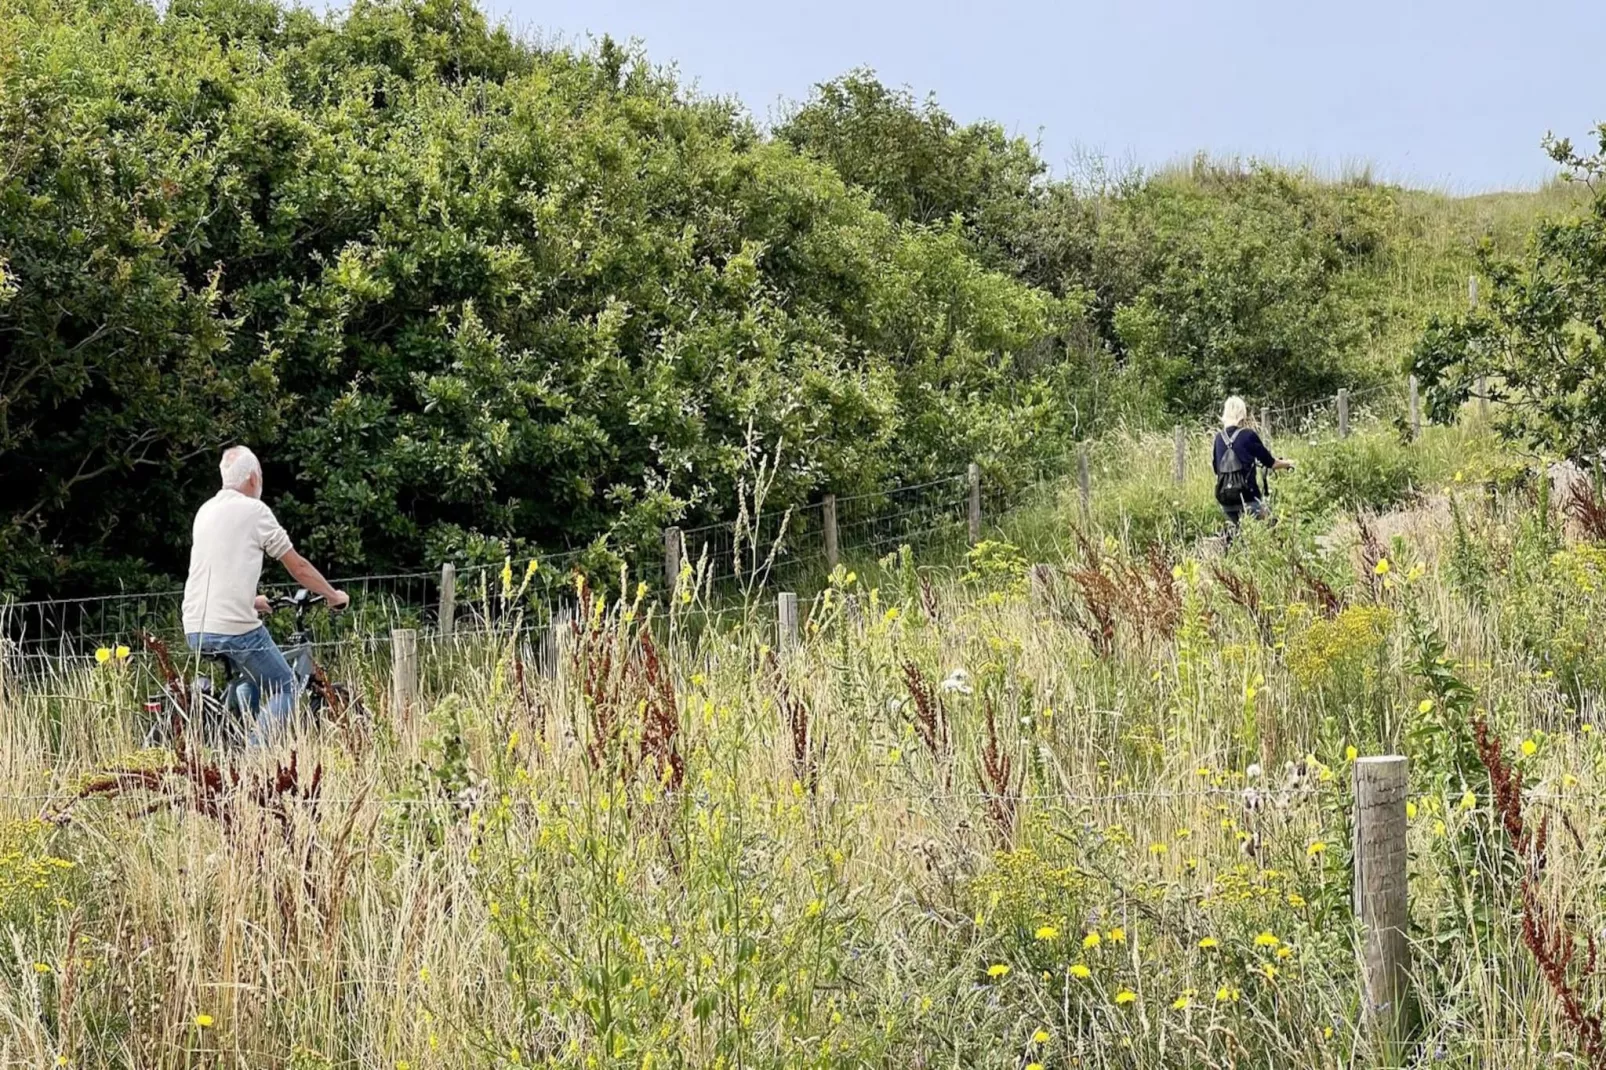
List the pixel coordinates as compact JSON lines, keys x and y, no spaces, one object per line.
{"x":1238,"y":452}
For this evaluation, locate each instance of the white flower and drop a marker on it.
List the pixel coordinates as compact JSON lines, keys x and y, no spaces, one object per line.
{"x":958,"y":680}
{"x":1253,"y":772}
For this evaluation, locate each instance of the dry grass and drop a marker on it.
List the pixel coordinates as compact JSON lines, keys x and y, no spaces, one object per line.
{"x":954,"y":827}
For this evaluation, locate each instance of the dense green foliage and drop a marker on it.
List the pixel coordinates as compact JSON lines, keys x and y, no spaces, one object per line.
{"x":469,"y":295}
{"x":1536,"y":342}
{"x":446,"y":284}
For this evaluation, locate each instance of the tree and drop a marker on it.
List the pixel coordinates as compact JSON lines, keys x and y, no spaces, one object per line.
{"x":919,"y":164}
{"x":462,"y":294}
{"x":1536,"y":338}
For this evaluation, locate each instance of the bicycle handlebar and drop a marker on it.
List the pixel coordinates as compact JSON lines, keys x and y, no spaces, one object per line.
{"x":301,"y":600}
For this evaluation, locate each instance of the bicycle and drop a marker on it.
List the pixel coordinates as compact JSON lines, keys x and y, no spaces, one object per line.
{"x":223,"y":718}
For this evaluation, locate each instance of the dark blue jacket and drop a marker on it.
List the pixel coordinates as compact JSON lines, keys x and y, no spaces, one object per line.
{"x":1250,"y":450}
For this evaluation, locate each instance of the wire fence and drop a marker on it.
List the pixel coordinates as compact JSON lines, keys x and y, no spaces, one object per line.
{"x":757,"y":551}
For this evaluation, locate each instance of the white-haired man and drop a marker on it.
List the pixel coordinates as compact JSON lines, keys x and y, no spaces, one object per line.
{"x":221,"y":605}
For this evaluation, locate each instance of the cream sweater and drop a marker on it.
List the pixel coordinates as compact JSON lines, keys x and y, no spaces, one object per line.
{"x":232,"y":532}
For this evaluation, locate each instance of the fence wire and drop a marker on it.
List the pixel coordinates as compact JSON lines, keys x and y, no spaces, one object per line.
{"x":768,"y":550}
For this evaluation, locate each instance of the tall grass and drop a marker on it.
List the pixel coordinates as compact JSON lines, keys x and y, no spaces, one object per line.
{"x":963,"y":822}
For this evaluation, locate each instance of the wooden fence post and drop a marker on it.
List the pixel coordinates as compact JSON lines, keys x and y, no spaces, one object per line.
{"x":403,"y":676}
{"x":786,"y":621}
{"x":1084,"y":484}
{"x":673,"y":545}
{"x":975,"y":503}
{"x":1042,"y":583}
{"x":828,"y":522}
{"x":1343,"y":413}
{"x":1416,"y":411}
{"x":1179,"y":462}
{"x":1483,"y":381}
{"x":1380,"y":887}
{"x":552,"y":642}
{"x":1265,"y":422}
{"x":448,"y":611}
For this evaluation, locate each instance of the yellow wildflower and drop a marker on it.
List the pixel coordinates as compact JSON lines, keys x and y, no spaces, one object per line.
{"x":1381,"y":568}
{"x":103,"y":655}
{"x":1266,"y":939}
{"x":1117,"y":935}
{"x":1315,"y":849}
{"x":204,"y":1021}
{"x":1528,"y":748}
{"x":1047,"y":932}
{"x":1040,"y":1037}
{"x":1125,"y":996}
{"x":1208,"y":942}
{"x":997,"y":970}
{"x":1091,"y":940}
{"x":1469,"y":800}
{"x":1081,"y":972}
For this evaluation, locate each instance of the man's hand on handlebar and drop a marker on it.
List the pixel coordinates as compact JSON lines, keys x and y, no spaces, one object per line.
{"x":262,"y":605}
{"x":338,"y":600}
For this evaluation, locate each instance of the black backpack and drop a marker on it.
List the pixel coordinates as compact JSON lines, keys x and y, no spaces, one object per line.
{"x":1235,"y":481}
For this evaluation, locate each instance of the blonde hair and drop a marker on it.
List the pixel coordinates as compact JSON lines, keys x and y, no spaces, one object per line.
{"x":1234,"y":413}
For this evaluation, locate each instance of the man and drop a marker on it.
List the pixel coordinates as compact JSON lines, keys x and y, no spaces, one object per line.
{"x":1236,"y":453}
{"x":221,"y":607}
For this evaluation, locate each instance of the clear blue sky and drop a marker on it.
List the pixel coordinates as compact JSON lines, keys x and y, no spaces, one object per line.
{"x":1454,"y":95}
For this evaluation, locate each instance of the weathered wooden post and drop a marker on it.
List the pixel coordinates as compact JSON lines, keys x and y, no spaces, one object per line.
{"x":1343,"y":413}
{"x":673,"y":545}
{"x":1042,"y":584}
{"x":403,"y":676}
{"x":448,"y":610}
{"x":552,"y":642}
{"x":828,"y":522}
{"x":975,"y":503}
{"x":1265,"y":422}
{"x":1380,"y":886}
{"x":1416,"y":411}
{"x":1483,"y":381}
{"x":1084,"y":484}
{"x":786,"y":622}
{"x":1179,"y":461}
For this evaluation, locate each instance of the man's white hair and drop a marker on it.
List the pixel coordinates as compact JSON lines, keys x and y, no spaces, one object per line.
{"x":1234,"y":412}
{"x":239,"y":464}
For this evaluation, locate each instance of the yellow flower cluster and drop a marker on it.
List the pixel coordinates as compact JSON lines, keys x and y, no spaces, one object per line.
{"x":1341,"y":648}
{"x":29,"y":872}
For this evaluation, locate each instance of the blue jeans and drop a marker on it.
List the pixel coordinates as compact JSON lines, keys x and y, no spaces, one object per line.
{"x":257,"y":656}
{"x":1255,"y":507}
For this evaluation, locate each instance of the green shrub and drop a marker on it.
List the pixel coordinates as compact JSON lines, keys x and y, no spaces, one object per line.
{"x":1363,"y":472}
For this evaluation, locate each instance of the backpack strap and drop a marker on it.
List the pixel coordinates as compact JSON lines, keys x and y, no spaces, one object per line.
{"x":1226,"y":441}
